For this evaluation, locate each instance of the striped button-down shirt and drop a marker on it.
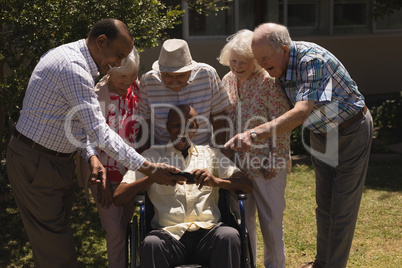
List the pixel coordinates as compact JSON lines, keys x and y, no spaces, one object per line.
{"x":61,"y":111}
{"x":204,"y":92}
{"x":314,"y":74}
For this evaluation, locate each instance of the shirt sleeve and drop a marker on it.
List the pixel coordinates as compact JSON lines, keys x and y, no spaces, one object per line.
{"x":131,"y":175}
{"x":224,"y":167}
{"x":89,"y":151}
{"x":316,"y":82}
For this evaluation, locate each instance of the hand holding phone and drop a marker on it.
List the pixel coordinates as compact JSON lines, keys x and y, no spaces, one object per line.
{"x":189,"y":177}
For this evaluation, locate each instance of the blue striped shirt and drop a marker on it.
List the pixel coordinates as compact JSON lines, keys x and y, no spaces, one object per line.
{"x":204,"y":92}
{"x":61,"y":111}
{"x":314,"y":74}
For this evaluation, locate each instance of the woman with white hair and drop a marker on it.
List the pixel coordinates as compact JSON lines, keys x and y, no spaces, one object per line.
{"x":255,"y":98}
{"x":118,"y":95}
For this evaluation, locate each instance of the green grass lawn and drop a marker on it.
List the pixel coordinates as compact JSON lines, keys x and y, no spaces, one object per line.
{"x":377,"y":241}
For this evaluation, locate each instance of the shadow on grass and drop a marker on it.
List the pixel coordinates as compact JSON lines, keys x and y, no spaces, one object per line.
{"x":381,"y":175}
{"x":14,"y":244}
{"x":15,"y":250}
{"x":384,"y":176}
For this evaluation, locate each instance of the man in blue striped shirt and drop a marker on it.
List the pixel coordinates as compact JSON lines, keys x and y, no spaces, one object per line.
{"x":326,"y":101}
{"x":60,"y":115}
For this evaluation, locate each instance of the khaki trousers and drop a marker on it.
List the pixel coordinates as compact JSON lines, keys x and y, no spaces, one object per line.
{"x":43,"y":188}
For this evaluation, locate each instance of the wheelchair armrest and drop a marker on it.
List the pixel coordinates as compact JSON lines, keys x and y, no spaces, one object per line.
{"x":241,"y":195}
{"x":139,"y":200}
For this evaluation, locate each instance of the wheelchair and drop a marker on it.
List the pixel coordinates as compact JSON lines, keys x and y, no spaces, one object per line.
{"x":140,"y":226}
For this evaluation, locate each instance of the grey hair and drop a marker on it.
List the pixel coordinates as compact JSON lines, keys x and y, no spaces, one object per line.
{"x":240,"y":43}
{"x":276,"y":34}
{"x":129,"y":64}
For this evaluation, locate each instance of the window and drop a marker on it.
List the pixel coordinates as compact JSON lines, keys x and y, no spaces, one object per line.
{"x":220,"y":24}
{"x":241,"y":14}
{"x":351,"y":17}
{"x":302,"y":17}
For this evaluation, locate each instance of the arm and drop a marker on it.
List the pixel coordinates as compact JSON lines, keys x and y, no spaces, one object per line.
{"x":126,"y":192}
{"x":285,"y":123}
{"x":238,"y":181}
{"x":157,"y":173}
{"x":98,"y":172}
{"x":161,"y":173}
{"x":98,"y":176}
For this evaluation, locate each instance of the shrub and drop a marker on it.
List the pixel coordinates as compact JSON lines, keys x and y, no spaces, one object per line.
{"x":388,"y":114}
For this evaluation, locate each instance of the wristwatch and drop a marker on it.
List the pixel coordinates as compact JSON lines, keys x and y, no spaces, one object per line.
{"x":253,"y":135}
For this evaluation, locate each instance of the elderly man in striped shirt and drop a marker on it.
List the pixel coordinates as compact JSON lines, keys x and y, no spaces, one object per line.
{"x":327,"y":101}
{"x":177,"y":79}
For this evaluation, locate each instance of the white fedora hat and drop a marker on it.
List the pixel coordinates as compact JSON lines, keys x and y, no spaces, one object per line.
{"x":174,"y":57}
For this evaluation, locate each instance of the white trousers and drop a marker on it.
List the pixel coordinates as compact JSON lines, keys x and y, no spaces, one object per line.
{"x":268,"y":197}
{"x":114,"y":221}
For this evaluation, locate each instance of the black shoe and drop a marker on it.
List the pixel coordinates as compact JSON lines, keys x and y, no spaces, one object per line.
{"x":314,"y":264}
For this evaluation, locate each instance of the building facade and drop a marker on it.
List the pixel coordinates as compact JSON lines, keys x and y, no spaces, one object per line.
{"x":369,"y":48}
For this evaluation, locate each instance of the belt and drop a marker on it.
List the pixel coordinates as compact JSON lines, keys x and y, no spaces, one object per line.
{"x":352,"y":120}
{"x":39,"y":147}
{"x":349,"y":122}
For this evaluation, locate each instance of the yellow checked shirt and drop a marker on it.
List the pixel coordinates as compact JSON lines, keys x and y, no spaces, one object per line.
{"x":185,"y":207}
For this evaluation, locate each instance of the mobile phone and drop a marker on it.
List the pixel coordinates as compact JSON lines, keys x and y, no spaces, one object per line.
{"x":190,"y":177}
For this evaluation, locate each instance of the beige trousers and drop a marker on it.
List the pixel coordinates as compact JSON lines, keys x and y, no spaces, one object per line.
{"x":114,"y":221}
{"x":268,"y":198}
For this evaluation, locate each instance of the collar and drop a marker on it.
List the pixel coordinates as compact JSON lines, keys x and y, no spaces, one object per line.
{"x":93,"y":68}
{"x":171,"y":150}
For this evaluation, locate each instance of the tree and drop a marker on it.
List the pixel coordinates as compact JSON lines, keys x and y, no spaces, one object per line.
{"x":207,"y":6}
{"x":386,"y":7}
{"x":30,"y":28}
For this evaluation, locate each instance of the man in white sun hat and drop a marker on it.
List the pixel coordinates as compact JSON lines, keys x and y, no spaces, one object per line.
{"x":177,"y":79}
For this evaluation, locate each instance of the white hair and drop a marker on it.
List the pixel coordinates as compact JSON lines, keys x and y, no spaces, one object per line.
{"x":129,"y":64}
{"x":240,"y":43}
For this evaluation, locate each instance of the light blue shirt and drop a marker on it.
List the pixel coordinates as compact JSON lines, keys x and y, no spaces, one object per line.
{"x":204,"y":92}
{"x":314,"y":74}
{"x":61,"y":111}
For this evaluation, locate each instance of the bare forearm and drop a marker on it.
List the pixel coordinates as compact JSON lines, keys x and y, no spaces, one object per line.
{"x":286,"y":122}
{"x":126,"y":192}
{"x":237,"y":182}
